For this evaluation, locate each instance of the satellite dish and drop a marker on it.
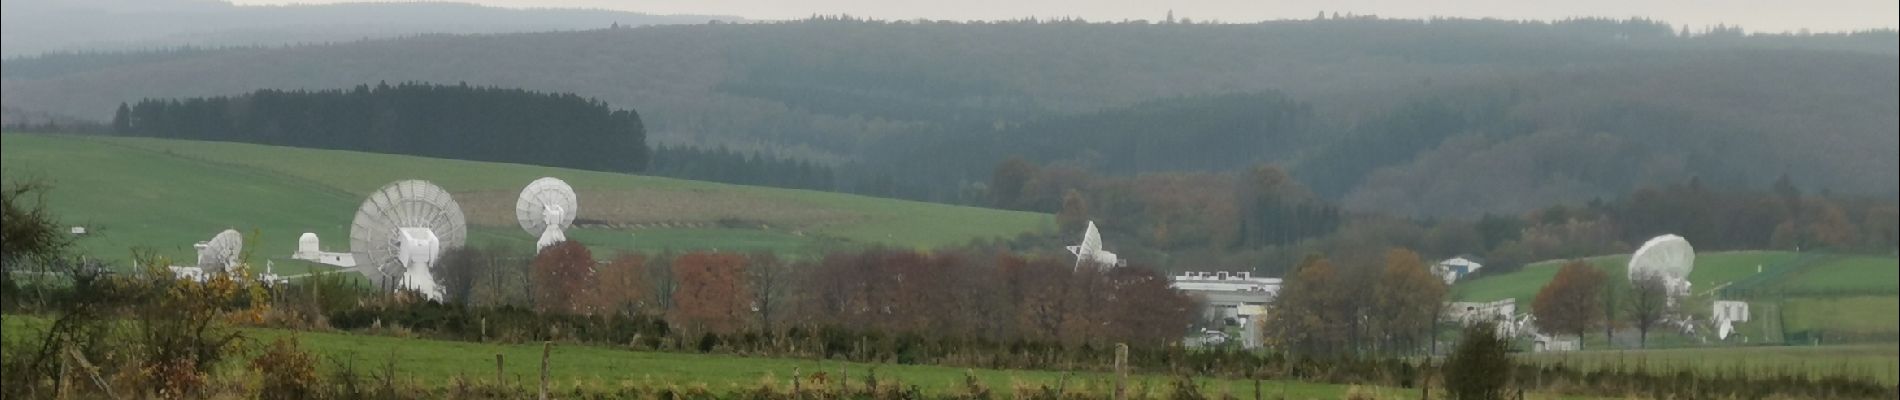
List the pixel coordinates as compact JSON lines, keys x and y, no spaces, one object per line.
{"x":546,"y":208}
{"x":401,"y":230}
{"x":1090,"y":250}
{"x":221,"y":253}
{"x":1667,"y":256}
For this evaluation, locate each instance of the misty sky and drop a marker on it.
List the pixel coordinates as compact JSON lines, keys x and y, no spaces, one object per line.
{"x":1755,"y":15}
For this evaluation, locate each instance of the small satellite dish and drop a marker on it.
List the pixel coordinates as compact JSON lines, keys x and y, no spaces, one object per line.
{"x":401,"y":230}
{"x":546,"y":209}
{"x":221,"y":253}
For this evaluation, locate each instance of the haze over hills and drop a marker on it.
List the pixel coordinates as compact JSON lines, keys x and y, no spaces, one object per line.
{"x":37,"y":26}
{"x":1427,"y":118}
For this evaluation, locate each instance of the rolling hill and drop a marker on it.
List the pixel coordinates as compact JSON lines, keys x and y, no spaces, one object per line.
{"x":1401,"y":116}
{"x":35,"y":26}
{"x":168,"y":194}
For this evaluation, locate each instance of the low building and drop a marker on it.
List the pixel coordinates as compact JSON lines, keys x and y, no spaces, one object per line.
{"x":1455,"y":268}
{"x":1239,"y":297}
{"x":1466,"y":312}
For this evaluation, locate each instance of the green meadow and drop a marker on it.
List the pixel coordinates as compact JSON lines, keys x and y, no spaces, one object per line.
{"x":168,"y":194}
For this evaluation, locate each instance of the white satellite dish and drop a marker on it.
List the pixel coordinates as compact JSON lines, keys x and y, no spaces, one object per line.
{"x":221,"y":253}
{"x":1090,"y":250}
{"x":546,"y":208}
{"x":1667,"y":256}
{"x":401,"y":230}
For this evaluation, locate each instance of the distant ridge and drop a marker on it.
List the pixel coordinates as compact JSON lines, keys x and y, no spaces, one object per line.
{"x":39,"y":26}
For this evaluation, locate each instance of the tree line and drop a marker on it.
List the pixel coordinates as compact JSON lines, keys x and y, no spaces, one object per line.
{"x":1266,"y":220}
{"x":989,"y":294}
{"x":444,"y":121}
{"x":727,"y":166}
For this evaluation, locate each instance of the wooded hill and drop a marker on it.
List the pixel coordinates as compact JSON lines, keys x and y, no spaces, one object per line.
{"x":460,"y":122}
{"x":1434,"y":118}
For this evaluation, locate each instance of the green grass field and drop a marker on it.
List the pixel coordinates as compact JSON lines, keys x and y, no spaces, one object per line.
{"x":168,"y":194}
{"x":1851,"y":317}
{"x":1877,"y":362}
{"x":1851,"y":275}
{"x":437,"y":363}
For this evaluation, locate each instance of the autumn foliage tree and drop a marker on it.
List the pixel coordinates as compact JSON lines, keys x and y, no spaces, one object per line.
{"x":1312,"y":315}
{"x":564,"y":278}
{"x":1571,"y":302}
{"x":711,"y":294}
{"x":1406,"y":300}
{"x":1141,"y":308}
{"x":622,"y":285}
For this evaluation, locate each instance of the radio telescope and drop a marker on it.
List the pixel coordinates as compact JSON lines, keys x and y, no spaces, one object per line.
{"x":1667,"y":256}
{"x":1090,"y":250}
{"x":401,"y":230}
{"x":546,"y":208}
{"x":221,"y":253}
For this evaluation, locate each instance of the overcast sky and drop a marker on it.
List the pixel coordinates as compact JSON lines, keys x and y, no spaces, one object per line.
{"x":1755,"y":15}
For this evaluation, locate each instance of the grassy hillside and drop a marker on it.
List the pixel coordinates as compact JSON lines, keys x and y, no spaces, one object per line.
{"x":1398,"y":116}
{"x":1712,"y":269}
{"x":1816,"y":298}
{"x":168,"y":194}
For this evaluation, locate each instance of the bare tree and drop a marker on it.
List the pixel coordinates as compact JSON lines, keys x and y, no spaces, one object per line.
{"x":770,"y":287}
{"x":1647,"y":304}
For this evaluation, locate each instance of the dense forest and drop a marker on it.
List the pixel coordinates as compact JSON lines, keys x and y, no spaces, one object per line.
{"x":462,"y":122}
{"x":1441,"y":118}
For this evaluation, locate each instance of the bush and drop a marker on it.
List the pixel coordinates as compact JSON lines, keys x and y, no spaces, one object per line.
{"x":288,"y":371}
{"x":1480,"y":368}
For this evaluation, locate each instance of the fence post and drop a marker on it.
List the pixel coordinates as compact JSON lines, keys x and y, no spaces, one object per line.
{"x":546,"y":346}
{"x":795,"y":379}
{"x":498,"y":377}
{"x":1121,"y":371}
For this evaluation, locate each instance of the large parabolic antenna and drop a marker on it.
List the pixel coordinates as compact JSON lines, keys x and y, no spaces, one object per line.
{"x":401,"y":230}
{"x":221,"y":253}
{"x":1090,"y":251}
{"x":546,"y":209}
{"x":1667,"y":256}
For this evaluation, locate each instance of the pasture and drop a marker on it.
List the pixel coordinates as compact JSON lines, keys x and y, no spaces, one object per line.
{"x":1878,"y":362}
{"x":435,"y":363}
{"x":167,"y":194}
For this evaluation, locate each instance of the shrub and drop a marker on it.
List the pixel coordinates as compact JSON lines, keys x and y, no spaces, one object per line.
{"x":1480,"y":368}
{"x":288,"y":371}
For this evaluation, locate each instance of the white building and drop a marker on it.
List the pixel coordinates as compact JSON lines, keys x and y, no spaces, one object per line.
{"x":1455,"y":268}
{"x":309,"y":248}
